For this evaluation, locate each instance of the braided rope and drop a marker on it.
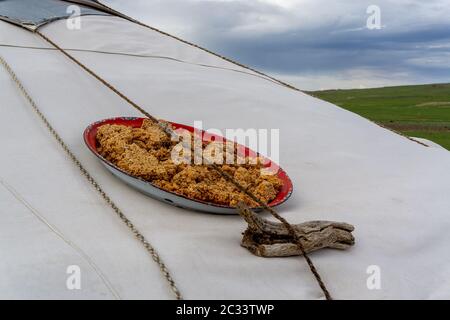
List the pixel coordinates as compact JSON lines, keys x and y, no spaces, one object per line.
{"x":150,"y":249}
{"x":229,"y":178}
{"x":288,"y":226}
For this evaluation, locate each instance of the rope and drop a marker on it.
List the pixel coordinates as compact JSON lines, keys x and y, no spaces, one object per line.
{"x":228,"y":177}
{"x":287,"y":225}
{"x":150,"y":249}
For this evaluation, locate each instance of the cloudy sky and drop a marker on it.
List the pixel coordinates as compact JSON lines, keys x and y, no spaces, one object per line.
{"x":315,"y":44}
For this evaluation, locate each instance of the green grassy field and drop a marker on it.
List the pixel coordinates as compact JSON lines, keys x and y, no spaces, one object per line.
{"x":417,"y":111}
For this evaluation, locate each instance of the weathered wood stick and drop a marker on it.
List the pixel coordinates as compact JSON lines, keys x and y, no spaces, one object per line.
{"x":265,"y":238}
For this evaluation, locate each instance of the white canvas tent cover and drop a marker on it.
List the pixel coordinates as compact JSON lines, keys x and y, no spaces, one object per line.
{"x":344,"y":168}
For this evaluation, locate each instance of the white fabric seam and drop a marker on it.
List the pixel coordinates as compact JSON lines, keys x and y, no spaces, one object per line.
{"x":56,"y":231}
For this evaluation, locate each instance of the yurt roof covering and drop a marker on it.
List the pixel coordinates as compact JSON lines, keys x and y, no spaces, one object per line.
{"x":343,"y":167}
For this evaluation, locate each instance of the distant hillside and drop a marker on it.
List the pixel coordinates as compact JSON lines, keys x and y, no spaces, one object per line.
{"x":417,"y":111}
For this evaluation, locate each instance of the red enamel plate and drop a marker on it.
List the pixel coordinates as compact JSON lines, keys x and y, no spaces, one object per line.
{"x":173,"y":198}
